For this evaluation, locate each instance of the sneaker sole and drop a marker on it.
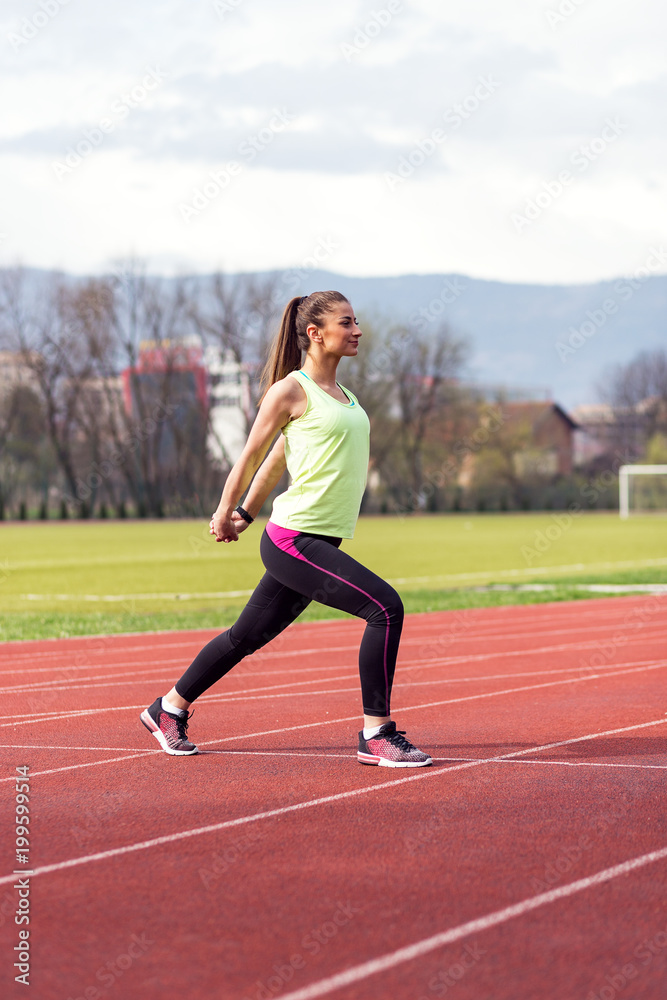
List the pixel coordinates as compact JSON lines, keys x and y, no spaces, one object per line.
{"x":160,"y":737}
{"x":384,"y":762}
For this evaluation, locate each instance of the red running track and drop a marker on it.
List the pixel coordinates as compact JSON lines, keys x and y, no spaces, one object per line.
{"x":529,"y":862}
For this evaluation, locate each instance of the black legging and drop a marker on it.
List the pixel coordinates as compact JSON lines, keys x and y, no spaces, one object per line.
{"x":300,"y":568}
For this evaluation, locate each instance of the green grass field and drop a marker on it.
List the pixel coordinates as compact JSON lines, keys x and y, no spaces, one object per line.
{"x":82,"y":578}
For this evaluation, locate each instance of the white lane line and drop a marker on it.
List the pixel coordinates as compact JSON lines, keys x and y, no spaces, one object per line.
{"x":62,"y":684}
{"x":394,"y":581}
{"x":589,"y":763}
{"x":316,"y":754}
{"x":530,"y":571}
{"x":601,"y":588}
{"x":71,"y":668}
{"x":228,"y":698}
{"x":496,"y":619}
{"x":420,"y":948}
{"x":589,"y":588}
{"x":227,"y":824}
{"x":407,"y":684}
{"x":118,"y":598}
{"x":51,"y":746}
{"x":242,"y":753}
{"x":559,"y":763}
{"x":569,"y":647}
{"x":78,"y":653}
{"x":46,"y":686}
{"x":92,"y":763}
{"x":154,"y":639}
{"x":455,"y":631}
{"x":322,"y":722}
{"x":55,"y":685}
{"x":530,"y":687}
{"x":325,"y":754}
{"x":312,"y":803}
{"x":645,"y":666}
{"x":55,"y":715}
{"x":52,"y":717}
{"x":140,"y":666}
{"x":457,"y":625}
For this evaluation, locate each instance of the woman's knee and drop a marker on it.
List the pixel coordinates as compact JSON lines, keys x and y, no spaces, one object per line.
{"x":389,"y":607}
{"x":397,"y":611}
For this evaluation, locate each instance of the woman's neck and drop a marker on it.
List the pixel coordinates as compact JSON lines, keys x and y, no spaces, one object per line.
{"x":321,"y":370}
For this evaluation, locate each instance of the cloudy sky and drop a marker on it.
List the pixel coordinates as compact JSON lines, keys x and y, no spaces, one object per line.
{"x":521,"y":140}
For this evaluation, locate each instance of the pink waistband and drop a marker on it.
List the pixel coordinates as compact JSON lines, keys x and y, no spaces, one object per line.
{"x":281,"y":536}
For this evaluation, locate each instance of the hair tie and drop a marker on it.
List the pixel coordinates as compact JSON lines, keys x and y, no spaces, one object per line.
{"x":301,"y":301}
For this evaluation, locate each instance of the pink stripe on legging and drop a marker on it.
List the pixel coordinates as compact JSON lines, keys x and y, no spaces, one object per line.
{"x":283,"y":538}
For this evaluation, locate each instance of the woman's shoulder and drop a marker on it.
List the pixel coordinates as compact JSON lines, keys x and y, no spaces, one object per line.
{"x":288,"y":387}
{"x":287,"y":395}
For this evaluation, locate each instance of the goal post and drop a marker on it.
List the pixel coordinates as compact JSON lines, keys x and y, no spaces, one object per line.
{"x":624,"y":474}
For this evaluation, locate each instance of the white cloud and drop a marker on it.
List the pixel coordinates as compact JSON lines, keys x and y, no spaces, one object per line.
{"x":354,"y":119}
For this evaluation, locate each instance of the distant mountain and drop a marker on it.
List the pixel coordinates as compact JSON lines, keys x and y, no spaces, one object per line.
{"x":543,"y":340}
{"x":555,"y":340}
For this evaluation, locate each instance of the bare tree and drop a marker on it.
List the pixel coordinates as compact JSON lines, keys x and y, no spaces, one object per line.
{"x":116,"y":362}
{"x":25,"y":457}
{"x":142,"y":436}
{"x":643,"y":378}
{"x":54,"y":351}
{"x":407,"y":381}
{"x":637,"y":394}
{"x":160,"y":433}
{"x":427,"y":391}
{"x":8,"y":414}
{"x":502,"y":467}
{"x":237,"y":315}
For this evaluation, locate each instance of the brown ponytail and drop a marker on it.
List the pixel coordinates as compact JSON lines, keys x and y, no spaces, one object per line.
{"x":292,"y":341}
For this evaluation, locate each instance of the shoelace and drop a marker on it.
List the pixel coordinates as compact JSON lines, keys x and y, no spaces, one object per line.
{"x":398,"y":739}
{"x":182,"y":724}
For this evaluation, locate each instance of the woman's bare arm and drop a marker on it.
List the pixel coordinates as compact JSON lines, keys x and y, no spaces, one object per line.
{"x":284,"y":401}
{"x":267,"y":477}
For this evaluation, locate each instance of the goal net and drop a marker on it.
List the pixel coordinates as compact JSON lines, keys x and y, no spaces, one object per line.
{"x":641,"y":489}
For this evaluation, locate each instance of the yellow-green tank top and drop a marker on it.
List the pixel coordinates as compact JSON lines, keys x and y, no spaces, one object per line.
{"x":327,"y":451}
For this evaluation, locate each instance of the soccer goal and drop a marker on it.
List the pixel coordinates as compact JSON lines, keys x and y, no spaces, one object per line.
{"x":647,"y":495}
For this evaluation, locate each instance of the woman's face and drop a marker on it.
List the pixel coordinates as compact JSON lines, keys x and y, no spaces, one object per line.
{"x":339,"y":333}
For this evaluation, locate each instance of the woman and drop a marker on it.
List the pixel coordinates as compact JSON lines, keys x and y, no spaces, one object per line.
{"x":324,"y":444}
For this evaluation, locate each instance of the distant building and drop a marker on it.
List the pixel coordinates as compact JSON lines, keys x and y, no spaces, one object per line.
{"x":105,"y":397}
{"x":15,"y":371}
{"x":166,"y":394}
{"x":230,"y":405}
{"x":200,"y":395}
{"x":549,"y":448}
{"x":611,"y":432}
{"x":166,"y":363}
{"x":530,"y":439}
